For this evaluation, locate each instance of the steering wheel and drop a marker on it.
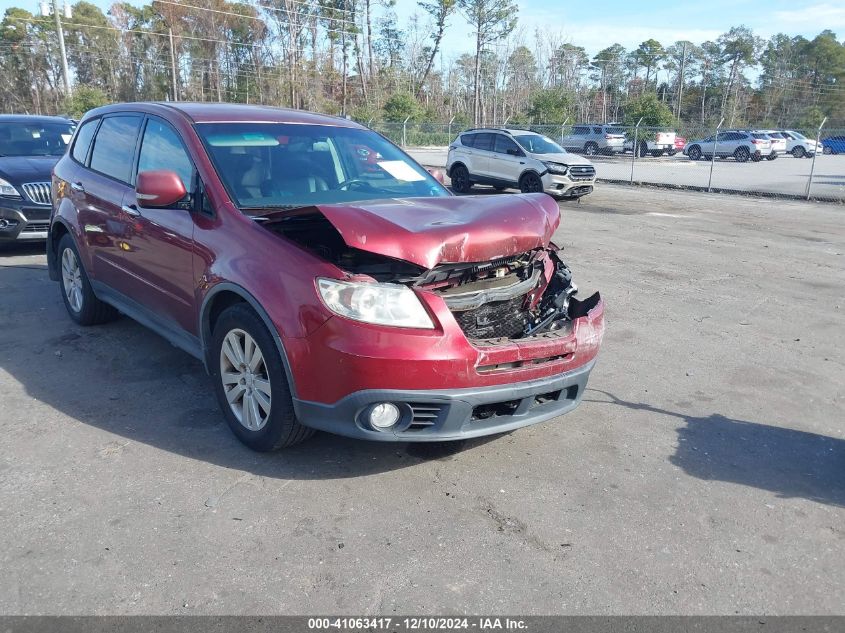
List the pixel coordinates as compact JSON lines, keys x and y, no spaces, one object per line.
{"x":346,"y":184}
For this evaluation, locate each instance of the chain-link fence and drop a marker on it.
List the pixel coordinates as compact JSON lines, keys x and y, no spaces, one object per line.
{"x":746,"y":161}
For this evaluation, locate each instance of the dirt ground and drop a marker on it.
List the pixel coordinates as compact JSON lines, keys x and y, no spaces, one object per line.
{"x":703,"y":474}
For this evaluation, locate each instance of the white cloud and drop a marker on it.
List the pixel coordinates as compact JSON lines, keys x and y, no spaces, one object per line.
{"x":819,"y":16}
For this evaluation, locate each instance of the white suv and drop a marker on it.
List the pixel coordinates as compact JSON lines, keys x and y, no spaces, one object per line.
{"x":517,"y":158}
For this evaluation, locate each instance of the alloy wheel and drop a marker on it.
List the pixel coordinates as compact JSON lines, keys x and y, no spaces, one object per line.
{"x":72,"y":280}
{"x":246,"y":381}
{"x":531,"y":184}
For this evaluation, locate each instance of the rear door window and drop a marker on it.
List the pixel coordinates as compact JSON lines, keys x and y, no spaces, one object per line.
{"x":83,"y":140}
{"x":162,"y":149}
{"x":580,"y":131}
{"x":503,"y":144}
{"x":114,"y":146}
{"x":597,"y":130}
{"x":484,"y":141}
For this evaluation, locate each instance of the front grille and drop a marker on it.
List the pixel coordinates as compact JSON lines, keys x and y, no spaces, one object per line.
{"x":582,"y":172}
{"x":36,"y":227}
{"x":38,"y":192}
{"x":424,"y":415}
{"x":497,"y":319}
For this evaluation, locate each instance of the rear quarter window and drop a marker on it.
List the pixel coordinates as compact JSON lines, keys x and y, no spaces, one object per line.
{"x":467,"y":139}
{"x":83,"y":140}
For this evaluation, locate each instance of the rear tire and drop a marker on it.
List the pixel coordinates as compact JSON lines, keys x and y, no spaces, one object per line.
{"x":694,"y":152}
{"x":798,"y":151}
{"x":251,"y":384}
{"x":657,"y":153}
{"x":460,"y":179}
{"x":742,"y":154}
{"x":81,"y":303}
{"x":772,"y":156}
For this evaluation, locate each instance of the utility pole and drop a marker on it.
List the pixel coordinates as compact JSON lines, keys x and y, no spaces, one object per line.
{"x":65,"y":74}
{"x":173,"y":65}
{"x":681,"y":81}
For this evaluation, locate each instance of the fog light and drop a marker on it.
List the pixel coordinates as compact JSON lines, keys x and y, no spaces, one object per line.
{"x":384,"y":415}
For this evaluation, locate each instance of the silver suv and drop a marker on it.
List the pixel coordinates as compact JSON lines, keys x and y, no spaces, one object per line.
{"x":517,"y":158}
{"x":595,"y":138}
{"x":741,"y":144}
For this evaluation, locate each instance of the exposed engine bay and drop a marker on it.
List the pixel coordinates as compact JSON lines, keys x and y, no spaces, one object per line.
{"x":508,"y":298}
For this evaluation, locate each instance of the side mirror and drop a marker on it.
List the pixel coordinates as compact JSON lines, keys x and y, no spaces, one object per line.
{"x":159,"y":188}
{"x":438,"y":174}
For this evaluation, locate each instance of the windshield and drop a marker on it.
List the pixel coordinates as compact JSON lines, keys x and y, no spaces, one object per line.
{"x":536,"y":144}
{"x":797,"y":134}
{"x":272,"y":165}
{"x":34,"y":139}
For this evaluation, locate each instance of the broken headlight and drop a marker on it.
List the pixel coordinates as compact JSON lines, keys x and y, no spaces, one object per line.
{"x":557,"y":168}
{"x":381,"y":304}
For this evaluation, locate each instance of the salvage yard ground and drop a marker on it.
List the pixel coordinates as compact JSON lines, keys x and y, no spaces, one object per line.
{"x":703,"y":474}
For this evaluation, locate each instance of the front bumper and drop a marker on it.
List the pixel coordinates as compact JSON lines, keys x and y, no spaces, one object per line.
{"x":450,"y":414}
{"x":563,"y":186}
{"x":22,"y":220}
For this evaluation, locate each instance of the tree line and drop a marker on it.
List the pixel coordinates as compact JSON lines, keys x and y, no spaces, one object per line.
{"x":357,"y":58}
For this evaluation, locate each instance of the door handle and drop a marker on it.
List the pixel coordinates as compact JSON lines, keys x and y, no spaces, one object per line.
{"x":130,"y":209}
{"x":77,"y":186}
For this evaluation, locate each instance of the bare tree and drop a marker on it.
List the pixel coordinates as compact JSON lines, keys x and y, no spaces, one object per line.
{"x":492,"y":20}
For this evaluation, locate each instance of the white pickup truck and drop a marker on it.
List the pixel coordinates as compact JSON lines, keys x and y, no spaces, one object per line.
{"x":654,"y":143}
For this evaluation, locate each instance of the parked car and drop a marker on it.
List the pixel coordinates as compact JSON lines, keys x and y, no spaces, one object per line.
{"x":798,"y":145}
{"x":595,"y":138}
{"x":654,"y":143}
{"x":833,"y":145}
{"x":518,"y":159}
{"x":319,"y":294}
{"x":680,"y":142}
{"x":742,"y":145}
{"x":29,"y":147}
{"x":778,"y":143}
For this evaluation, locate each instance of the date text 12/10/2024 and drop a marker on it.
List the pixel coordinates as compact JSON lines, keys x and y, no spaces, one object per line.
{"x":416,"y":624}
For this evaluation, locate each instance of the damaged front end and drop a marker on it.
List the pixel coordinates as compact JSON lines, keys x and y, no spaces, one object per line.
{"x":509,"y":298}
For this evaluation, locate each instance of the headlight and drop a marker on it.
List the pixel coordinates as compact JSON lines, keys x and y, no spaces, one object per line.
{"x":382,"y":304}
{"x":6,"y":189}
{"x":557,"y":168}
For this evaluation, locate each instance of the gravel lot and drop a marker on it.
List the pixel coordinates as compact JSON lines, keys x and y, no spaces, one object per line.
{"x":784,"y":176}
{"x":704,"y":473}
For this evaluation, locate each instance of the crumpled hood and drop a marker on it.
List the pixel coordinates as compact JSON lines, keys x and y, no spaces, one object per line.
{"x":565,"y":159}
{"x":23,"y":169}
{"x":431,"y":231}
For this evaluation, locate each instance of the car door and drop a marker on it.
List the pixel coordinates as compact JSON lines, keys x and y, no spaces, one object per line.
{"x":576,"y":138}
{"x":726,"y":143}
{"x":158,"y":251}
{"x":482,"y":149}
{"x":507,"y":159}
{"x":98,"y":191}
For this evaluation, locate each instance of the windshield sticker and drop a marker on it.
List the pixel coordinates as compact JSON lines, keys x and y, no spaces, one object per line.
{"x":400,"y":170}
{"x":66,"y":138}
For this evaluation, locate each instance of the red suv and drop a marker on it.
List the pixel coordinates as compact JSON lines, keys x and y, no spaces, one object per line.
{"x":319,"y":292}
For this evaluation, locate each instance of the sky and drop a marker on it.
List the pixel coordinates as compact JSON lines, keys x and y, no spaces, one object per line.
{"x":600,"y":23}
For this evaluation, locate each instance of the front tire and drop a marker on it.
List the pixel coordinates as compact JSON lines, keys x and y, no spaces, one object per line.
{"x":772,"y":156}
{"x":81,"y":303}
{"x":742,"y":154}
{"x":460,"y":179}
{"x":591,"y":149}
{"x":530,"y":183}
{"x":694,"y":152}
{"x":798,"y":151}
{"x":827,"y":150}
{"x":250,"y":382}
